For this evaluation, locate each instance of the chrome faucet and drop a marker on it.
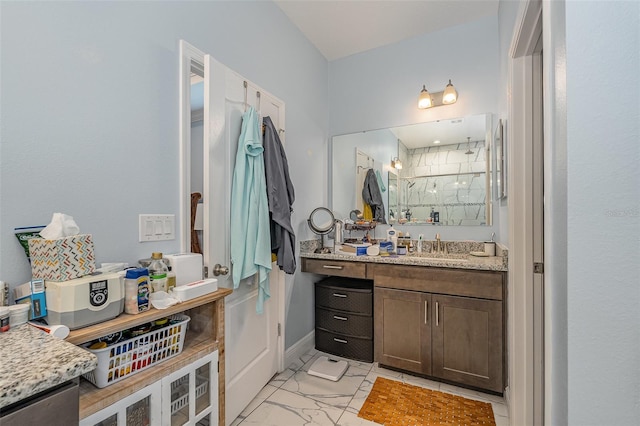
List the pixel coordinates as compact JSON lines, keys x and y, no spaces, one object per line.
{"x":438,"y":244}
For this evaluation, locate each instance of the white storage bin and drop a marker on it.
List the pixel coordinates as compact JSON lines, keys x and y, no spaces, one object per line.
{"x":128,"y":357}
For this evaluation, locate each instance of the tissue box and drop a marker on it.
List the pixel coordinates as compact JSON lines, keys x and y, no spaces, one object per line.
{"x":62,"y":259}
{"x":357,"y":249}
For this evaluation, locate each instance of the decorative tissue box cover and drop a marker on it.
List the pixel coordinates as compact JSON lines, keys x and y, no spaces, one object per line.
{"x":62,"y":259}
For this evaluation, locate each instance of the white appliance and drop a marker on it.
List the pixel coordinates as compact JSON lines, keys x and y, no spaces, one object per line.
{"x":187,"y":266}
{"x":85,"y":301}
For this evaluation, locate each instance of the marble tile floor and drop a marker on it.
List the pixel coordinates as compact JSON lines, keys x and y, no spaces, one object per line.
{"x":295,"y":398}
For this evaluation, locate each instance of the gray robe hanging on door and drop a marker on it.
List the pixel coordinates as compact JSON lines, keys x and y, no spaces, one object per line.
{"x":372,"y":196}
{"x":280,"y":194}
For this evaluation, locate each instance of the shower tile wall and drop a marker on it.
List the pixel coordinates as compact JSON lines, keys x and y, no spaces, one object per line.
{"x":447,"y":179}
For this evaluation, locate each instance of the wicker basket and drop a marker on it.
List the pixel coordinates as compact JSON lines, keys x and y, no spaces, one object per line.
{"x":131,"y":356}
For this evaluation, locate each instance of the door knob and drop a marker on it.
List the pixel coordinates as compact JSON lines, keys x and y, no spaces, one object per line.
{"x":218,"y":269}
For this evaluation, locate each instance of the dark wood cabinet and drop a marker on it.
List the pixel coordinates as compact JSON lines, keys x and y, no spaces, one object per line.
{"x":424,"y":325}
{"x":444,"y":323}
{"x":403,"y":329}
{"x":467,"y":341}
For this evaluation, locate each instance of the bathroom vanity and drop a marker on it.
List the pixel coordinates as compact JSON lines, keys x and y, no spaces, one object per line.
{"x":438,"y":316}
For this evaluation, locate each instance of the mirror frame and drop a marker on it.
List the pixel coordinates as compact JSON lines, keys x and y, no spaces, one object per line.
{"x":501,"y":164}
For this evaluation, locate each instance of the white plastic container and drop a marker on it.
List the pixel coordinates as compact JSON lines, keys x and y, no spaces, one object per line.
{"x":124,"y":359}
{"x":136,"y":291}
{"x":392,"y":236}
{"x":18,"y":314}
{"x":195,"y":289}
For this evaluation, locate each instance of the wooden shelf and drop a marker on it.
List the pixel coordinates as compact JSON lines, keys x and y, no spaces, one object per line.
{"x":125,"y":321}
{"x":205,"y":334}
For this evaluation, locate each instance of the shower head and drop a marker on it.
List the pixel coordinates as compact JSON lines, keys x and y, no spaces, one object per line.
{"x":469,"y":152}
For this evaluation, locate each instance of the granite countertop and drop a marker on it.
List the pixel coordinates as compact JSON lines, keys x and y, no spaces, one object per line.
{"x":34,"y":361}
{"x":459,"y":260}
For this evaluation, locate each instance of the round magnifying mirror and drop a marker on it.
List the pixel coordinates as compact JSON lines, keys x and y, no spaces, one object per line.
{"x":321,"y":221}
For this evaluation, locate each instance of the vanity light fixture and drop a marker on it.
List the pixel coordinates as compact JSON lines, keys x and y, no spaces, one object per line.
{"x":396,"y":163}
{"x":447,"y":97}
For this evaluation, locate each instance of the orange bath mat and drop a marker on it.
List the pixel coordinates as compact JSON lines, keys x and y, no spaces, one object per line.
{"x":393,"y":403}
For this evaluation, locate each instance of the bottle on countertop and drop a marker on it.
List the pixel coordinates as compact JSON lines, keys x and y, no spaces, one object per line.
{"x":392,"y":236}
{"x":158,"y":273}
{"x":136,"y":290}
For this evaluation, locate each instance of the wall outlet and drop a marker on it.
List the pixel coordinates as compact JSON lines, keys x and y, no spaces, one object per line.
{"x":156,"y":227}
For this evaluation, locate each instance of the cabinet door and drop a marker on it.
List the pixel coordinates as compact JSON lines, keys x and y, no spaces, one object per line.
{"x":467,"y":341}
{"x":403,"y":329}
{"x":138,"y":409}
{"x":190,"y":395}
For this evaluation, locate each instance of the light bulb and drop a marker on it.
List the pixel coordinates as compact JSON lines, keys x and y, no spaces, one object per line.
{"x":450,"y":95}
{"x":424,"y":99}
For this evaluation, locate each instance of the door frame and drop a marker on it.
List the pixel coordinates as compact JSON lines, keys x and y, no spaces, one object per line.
{"x":522,"y":393}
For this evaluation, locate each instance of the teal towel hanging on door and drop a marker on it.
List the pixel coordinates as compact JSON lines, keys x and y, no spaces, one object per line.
{"x":250,"y":234}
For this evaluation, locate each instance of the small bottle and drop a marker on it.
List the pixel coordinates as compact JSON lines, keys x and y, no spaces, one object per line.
{"x":136,"y":291}
{"x":431,"y":215}
{"x":158,"y":273}
{"x":171,"y":280}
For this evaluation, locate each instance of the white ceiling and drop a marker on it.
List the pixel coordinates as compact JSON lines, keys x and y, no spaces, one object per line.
{"x":340,"y":28}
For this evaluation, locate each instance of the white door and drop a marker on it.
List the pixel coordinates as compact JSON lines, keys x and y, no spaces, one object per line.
{"x":254,"y":344}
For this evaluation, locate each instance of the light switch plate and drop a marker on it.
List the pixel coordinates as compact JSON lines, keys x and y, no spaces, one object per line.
{"x":156,"y":227}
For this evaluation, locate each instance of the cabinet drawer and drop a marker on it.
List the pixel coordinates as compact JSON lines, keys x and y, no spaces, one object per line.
{"x":335,"y":267}
{"x":345,"y":295}
{"x":345,"y":323}
{"x":345,"y":346}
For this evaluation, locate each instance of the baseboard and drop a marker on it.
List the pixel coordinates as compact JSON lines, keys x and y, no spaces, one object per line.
{"x":300,"y":348}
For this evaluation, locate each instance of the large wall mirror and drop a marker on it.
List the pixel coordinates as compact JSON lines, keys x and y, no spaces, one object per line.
{"x":445,"y":176}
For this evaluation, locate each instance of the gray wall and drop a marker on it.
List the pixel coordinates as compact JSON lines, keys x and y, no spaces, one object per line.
{"x":379,"y":88}
{"x":603,"y":215}
{"x":90,"y":117}
{"x":592,"y":196}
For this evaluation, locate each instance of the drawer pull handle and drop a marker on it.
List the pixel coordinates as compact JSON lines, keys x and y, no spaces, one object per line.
{"x":339,"y":340}
{"x":339,"y":295}
{"x":332,"y":267}
{"x":339,"y":318}
{"x":437,"y":315}
{"x":426,"y":309}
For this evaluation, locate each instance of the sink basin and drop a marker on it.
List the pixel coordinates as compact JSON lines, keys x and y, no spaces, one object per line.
{"x":440,"y":257}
